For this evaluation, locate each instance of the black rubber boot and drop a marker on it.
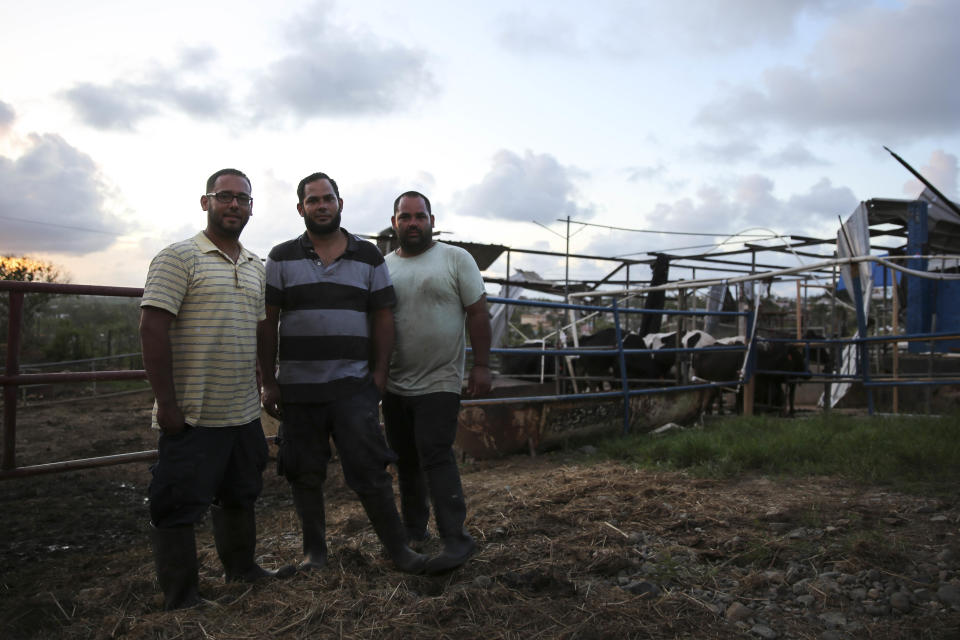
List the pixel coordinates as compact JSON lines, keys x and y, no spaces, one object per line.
{"x":235,"y":535}
{"x":310,"y":509}
{"x":175,"y":552}
{"x":450,"y":511}
{"x":414,"y":505}
{"x":419,"y":540}
{"x":386,"y":522}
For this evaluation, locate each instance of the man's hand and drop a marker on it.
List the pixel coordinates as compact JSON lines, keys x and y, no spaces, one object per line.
{"x":478,"y":325}
{"x":478,"y":383}
{"x":382,"y":333}
{"x":380,"y":379}
{"x":270,"y":399}
{"x":170,"y":418}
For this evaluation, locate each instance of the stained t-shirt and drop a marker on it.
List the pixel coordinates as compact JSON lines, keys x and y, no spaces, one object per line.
{"x":432,"y":290}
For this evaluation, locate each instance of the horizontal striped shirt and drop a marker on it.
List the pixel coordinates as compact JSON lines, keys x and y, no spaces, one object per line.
{"x":324,"y":330}
{"x":213,"y":339}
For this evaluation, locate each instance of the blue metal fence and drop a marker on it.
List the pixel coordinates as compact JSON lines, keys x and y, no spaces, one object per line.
{"x":625,"y":391}
{"x":12,"y":377}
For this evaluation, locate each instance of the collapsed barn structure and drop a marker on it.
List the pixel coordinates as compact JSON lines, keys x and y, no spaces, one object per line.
{"x":873,"y":310}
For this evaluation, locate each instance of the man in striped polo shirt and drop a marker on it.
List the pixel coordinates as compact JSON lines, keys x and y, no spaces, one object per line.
{"x":198,"y":328}
{"x":331,"y":295}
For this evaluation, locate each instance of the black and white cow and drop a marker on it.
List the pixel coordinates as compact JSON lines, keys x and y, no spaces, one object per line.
{"x":528,"y":366}
{"x":667,"y":360}
{"x":638,"y":365}
{"x":772,"y":391}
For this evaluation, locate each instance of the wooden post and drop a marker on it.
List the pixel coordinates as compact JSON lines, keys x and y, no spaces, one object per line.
{"x":748,"y":395}
{"x":742,"y":306}
{"x":895,"y":296}
{"x":799,"y":313}
{"x":749,"y":364}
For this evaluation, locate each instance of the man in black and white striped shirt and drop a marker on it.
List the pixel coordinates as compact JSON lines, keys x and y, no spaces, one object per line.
{"x":329,"y":307}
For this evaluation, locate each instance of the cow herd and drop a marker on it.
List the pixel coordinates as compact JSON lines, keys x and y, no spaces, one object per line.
{"x":663,"y":362}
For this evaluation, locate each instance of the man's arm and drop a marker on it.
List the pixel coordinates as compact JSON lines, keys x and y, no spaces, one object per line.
{"x":158,"y":361}
{"x":267,"y":341}
{"x":478,"y":326}
{"x":382,"y":334}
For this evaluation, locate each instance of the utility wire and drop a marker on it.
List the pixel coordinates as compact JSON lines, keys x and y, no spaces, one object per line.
{"x":674,"y":233}
{"x":63,"y":226}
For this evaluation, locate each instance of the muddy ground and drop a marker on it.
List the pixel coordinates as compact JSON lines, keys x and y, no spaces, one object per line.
{"x":569,"y":548}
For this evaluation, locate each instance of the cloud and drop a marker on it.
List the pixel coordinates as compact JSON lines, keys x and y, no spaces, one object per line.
{"x":823,"y":200}
{"x":741,"y":148}
{"x":333,"y":72}
{"x":528,"y":187}
{"x":730,"y":151}
{"x":330,"y":71}
{"x":749,"y":202}
{"x":119,"y":106}
{"x":369,"y":205}
{"x":794,"y":155}
{"x":659,"y":174}
{"x":877,"y":73}
{"x":7,"y":116}
{"x":737,"y":24}
{"x":638,"y":174}
{"x":52,"y":199}
{"x":941,"y":170}
{"x":123,"y":104}
{"x":523,"y":33}
{"x":628,"y":29}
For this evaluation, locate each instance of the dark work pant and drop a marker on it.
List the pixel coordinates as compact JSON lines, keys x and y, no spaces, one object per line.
{"x":203,"y":465}
{"x":354,"y":424}
{"x":421,"y":430}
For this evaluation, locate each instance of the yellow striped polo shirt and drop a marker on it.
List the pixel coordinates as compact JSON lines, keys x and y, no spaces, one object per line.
{"x":217,"y":305}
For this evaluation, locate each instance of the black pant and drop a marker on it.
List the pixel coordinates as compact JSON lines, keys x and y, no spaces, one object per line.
{"x":421,"y":430}
{"x":354,"y":425}
{"x":201,"y":465}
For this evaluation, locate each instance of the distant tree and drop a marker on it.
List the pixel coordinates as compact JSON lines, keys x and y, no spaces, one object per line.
{"x":27,"y":269}
{"x":69,"y":343}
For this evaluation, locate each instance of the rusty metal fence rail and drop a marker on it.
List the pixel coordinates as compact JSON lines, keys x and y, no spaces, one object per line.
{"x":12,"y":378}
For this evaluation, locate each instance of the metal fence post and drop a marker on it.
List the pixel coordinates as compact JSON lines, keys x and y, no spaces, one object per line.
{"x":14,"y":323}
{"x":623,"y":368}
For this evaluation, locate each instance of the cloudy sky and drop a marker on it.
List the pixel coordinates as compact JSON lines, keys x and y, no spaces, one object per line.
{"x":711,"y":116}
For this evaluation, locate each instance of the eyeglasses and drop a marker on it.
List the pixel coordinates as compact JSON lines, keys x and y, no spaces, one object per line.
{"x":226,"y":197}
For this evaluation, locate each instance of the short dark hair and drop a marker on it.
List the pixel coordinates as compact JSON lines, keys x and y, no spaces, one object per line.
{"x":226,"y":172}
{"x":411,"y":194}
{"x":313,"y":177}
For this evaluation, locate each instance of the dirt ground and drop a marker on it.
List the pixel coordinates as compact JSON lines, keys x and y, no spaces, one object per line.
{"x":569,"y":548}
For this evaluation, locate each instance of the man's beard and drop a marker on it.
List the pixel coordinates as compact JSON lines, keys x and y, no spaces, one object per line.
{"x":216,"y":221}
{"x":417,"y":244}
{"x":322,"y":229}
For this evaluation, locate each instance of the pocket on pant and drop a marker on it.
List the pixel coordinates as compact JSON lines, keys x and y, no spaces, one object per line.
{"x":174,"y":481}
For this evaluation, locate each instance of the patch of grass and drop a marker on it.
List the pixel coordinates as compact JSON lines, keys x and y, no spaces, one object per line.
{"x":916,"y":454}
{"x":872,"y":548}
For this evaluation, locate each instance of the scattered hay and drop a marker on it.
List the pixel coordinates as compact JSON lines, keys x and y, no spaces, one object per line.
{"x":559,"y":542}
